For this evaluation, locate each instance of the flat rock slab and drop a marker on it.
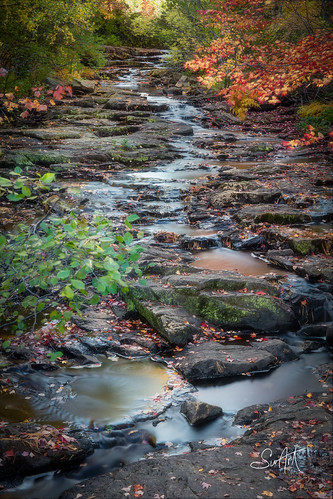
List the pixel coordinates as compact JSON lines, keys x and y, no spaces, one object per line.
{"x":28,"y":449}
{"x":313,"y":267}
{"x":212,"y":360}
{"x":274,"y":214}
{"x":234,"y":197}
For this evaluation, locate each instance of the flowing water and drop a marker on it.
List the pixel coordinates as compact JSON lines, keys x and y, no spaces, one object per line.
{"x":118,"y":390}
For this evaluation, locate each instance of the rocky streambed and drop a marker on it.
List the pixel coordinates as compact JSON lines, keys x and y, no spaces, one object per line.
{"x":221,"y":361}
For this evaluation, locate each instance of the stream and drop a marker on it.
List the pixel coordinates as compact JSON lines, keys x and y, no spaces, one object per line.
{"x":119,"y":389}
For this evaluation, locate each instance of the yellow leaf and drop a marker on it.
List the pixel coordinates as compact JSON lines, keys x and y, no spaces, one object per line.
{"x":52,"y":102}
{"x":270,"y":408}
{"x":309,"y":395}
{"x":267,"y":493}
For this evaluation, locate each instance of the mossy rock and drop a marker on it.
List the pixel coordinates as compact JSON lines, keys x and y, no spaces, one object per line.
{"x":274,"y":214}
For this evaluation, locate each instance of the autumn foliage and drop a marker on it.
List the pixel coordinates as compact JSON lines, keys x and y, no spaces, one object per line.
{"x":248,"y":65}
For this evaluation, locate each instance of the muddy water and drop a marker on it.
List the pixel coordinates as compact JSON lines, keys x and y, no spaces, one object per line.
{"x":238,"y":261}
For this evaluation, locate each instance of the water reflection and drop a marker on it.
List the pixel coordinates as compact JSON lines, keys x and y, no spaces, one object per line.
{"x":238,"y":261}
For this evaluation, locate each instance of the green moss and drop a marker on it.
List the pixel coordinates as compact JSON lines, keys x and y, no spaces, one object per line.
{"x":283,"y":218}
{"x":302,"y":246}
{"x":30,"y":158}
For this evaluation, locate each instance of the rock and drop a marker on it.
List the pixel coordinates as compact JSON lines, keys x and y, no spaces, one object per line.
{"x":234,"y":197}
{"x":278,"y":348}
{"x":250,"y":414}
{"x":80,"y":85}
{"x":197,"y":412}
{"x":251,"y":243}
{"x":197,"y":243}
{"x":311,"y":345}
{"x":28,"y":449}
{"x":199,"y":295}
{"x":211,"y":361}
{"x":53,"y":83}
{"x":301,"y":241}
{"x":314,"y":267}
{"x":329,"y":336}
{"x":94,"y":321}
{"x":119,"y":102}
{"x":76,"y":350}
{"x":274,"y":214}
{"x":319,"y":329}
{"x":173,"y":323}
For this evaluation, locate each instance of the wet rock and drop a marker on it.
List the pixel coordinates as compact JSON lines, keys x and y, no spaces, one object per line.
{"x":174,"y":324}
{"x":210,"y":361}
{"x":29,"y":449}
{"x":318,"y":329}
{"x":251,"y":243}
{"x":234,"y":197}
{"x":309,"y":302}
{"x":77,"y":351}
{"x":80,"y":85}
{"x":274,"y":214}
{"x":197,"y":412}
{"x":301,"y":241}
{"x":311,"y":345}
{"x":218,"y":298}
{"x":329,"y":336}
{"x":164,"y":261}
{"x":118,"y":102}
{"x":278,"y":348}
{"x":197,"y":243}
{"x":250,"y":414}
{"x":313,"y":267}
{"x":94,"y":321}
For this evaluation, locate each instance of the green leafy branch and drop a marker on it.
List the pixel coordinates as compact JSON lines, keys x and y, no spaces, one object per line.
{"x":67,"y":261}
{"x":19,"y":187}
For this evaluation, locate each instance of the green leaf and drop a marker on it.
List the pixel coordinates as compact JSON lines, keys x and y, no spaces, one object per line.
{"x":143,"y":282}
{"x":128,"y":225}
{"x":67,"y":315}
{"x":113,"y":289}
{"x":15,"y":197}
{"x":140,"y":234}
{"x":63,"y":274}
{"x":18,"y":170}
{"x":133,"y":217}
{"x":3,"y":241}
{"x":54,"y":355}
{"x":77,"y":284}
{"x":68,"y":292}
{"x":128,"y":238}
{"x":5,"y":345}
{"x":26,"y":191}
{"x":94,"y":300}
{"x":47,"y":178}
{"x":5,"y":182}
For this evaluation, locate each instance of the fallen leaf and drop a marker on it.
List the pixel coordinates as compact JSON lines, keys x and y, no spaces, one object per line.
{"x":205,"y":485}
